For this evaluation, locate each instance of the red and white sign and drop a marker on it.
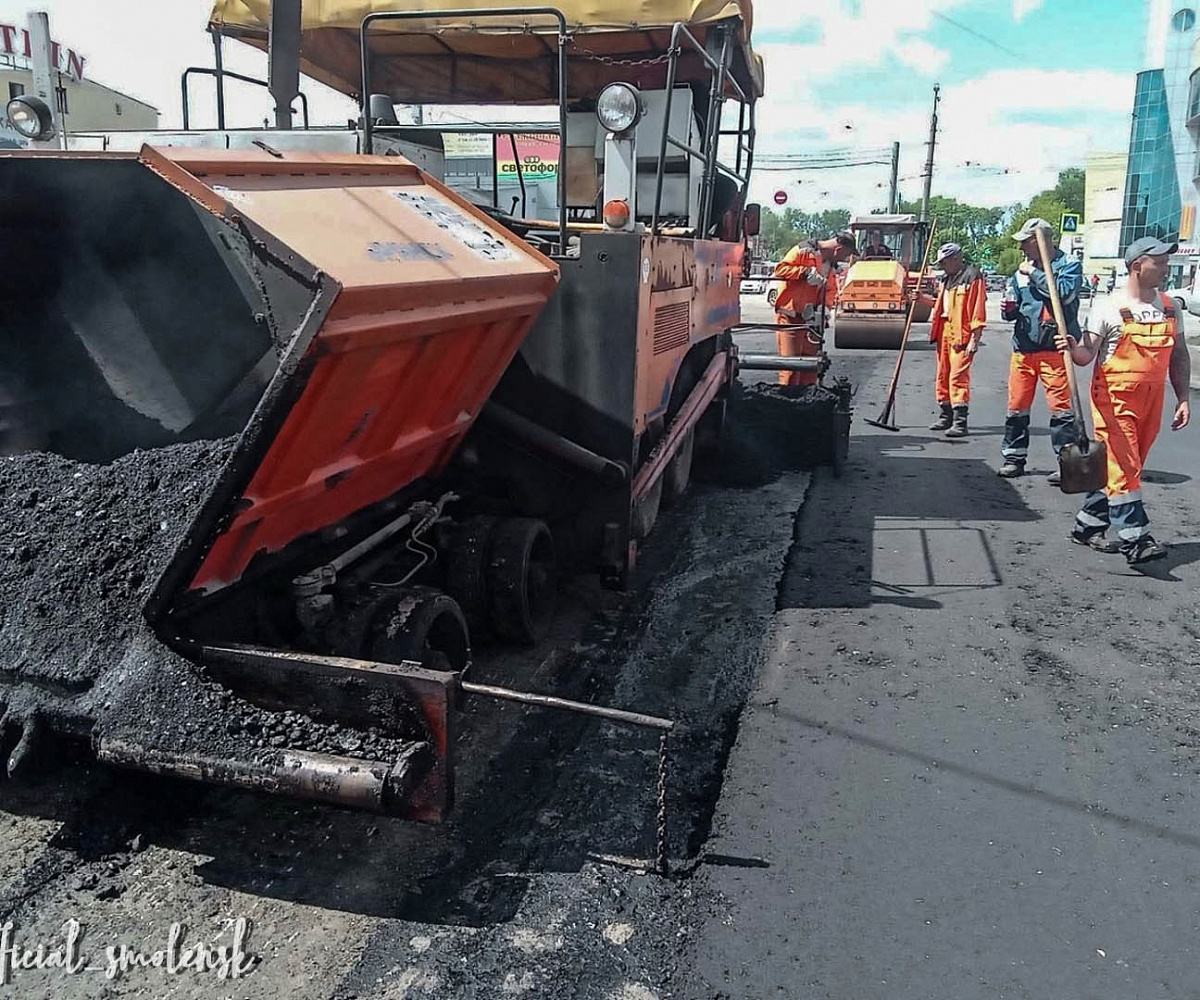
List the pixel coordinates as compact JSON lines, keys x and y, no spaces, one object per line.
{"x":14,"y":41}
{"x":780,"y":197}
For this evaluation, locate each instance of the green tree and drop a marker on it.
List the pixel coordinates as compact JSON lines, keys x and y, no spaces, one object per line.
{"x":972,"y":227}
{"x":1070,"y":188}
{"x":1008,"y":260}
{"x":783,"y":230}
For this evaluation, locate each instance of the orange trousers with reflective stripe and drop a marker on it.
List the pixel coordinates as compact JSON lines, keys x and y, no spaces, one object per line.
{"x":953,"y":373}
{"x":1128,"y":414}
{"x":797,"y":342}
{"x":1024,"y":373}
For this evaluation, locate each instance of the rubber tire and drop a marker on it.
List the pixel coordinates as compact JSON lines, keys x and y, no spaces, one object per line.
{"x":772,"y":295}
{"x":521,"y":580}
{"x":645,"y":512}
{"x":419,"y":624}
{"x":465,"y":574}
{"x":678,"y":472}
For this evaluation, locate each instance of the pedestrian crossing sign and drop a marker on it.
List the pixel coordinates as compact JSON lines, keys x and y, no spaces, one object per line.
{"x":1070,"y":223}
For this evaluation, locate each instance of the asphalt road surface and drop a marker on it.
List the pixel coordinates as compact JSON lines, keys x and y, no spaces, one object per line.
{"x":969,"y":766}
{"x":931,"y":750}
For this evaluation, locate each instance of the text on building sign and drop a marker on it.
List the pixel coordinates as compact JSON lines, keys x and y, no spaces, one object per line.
{"x":14,"y":41}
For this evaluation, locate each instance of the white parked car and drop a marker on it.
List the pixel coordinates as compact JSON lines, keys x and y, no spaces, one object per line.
{"x":1187,"y":301}
{"x":753,"y":286}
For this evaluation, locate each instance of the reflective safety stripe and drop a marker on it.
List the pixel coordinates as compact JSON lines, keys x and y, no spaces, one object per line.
{"x":1132,"y":532}
{"x":1090,"y":521}
{"x":1019,"y":413}
{"x":1133,"y":497}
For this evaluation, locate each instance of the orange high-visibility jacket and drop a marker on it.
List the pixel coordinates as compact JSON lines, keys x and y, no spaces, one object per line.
{"x":801,"y":261}
{"x":961,"y":307}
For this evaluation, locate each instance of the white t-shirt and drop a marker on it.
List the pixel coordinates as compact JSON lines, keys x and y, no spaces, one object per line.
{"x":1104,"y":323}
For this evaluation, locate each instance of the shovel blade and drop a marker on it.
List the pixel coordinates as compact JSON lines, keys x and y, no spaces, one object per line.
{"x":1083,"y":467}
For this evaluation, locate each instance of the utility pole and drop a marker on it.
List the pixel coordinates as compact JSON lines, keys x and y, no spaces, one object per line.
{"x":929,"y":161}
{"x":893,"y":201}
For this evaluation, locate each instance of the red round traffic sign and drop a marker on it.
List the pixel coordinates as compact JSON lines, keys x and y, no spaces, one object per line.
{"x":780,"y":197}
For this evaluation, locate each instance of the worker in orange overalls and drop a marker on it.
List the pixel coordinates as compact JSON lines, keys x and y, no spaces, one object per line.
{"x":957,"y":323}
{"x":1137,"y":341}
{"x":809,"y":276}
{"x":1034,"y":359}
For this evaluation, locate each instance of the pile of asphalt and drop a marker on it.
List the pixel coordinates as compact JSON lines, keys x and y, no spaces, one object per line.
{"x":770,"y":429}
{"x":83,"y":546}
{"x":82,"y":549}
{"x":163,"y":701}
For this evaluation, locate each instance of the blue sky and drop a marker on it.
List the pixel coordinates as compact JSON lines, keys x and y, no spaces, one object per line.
{"x":1028,"y":87}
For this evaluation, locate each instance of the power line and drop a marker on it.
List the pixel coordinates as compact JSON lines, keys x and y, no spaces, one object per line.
{"x":975,"y":34}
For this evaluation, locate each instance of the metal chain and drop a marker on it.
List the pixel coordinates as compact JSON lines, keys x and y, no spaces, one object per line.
{"x":661,"y":847}
{"x":613,"y":61}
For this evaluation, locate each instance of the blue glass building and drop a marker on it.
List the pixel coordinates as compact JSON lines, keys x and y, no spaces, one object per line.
{"x":1152,"y":201}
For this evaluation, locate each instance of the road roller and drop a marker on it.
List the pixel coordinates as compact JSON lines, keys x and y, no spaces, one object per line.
{"x":882,"y":283}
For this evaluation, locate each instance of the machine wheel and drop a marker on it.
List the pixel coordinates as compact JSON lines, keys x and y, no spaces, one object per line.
{"x":679,"y":470}
{"x":419,"y":624}
{"x":521,"y":581}
{"x":466,"y":562}
{"x":645,"y":511}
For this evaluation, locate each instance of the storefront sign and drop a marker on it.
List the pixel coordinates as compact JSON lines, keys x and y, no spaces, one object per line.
{"x":14,"y":42}
{"x":537,"y":152}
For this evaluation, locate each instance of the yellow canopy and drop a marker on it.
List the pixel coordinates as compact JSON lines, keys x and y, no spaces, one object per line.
{"x":500,"y":60}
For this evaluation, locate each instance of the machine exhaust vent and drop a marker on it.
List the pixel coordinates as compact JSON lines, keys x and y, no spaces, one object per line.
{"x":672,"y":327}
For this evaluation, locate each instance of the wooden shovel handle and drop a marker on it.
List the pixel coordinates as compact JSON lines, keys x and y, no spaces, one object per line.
{"x":1047,"y":254}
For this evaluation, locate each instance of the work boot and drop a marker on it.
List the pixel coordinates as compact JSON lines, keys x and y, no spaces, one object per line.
{"x":958,"y":429}
{"x":1055,"y":478}
{"x":1144,"y":550}
{"x":1095,"y":539}
{"x":945,"y":420}
{"x":1011,"y":469}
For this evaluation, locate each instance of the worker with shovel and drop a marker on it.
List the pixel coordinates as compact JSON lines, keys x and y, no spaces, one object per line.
{"x":809,"y":289}
{"x":1136,"y":338}
{"x":957,"y":323}
{"x":1027,"y":305}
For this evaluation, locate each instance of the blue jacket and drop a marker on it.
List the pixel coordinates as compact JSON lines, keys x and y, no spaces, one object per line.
{"x":1033,"y":297}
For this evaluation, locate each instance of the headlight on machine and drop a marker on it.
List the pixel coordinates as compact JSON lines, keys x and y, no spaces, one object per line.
{"x":31,"y":116}
{"x":619,"y":107}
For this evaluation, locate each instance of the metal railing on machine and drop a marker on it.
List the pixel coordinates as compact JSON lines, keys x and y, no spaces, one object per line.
{"x":712,"y":131}
{"x":368,"y":126}
{"x":220,"y":73}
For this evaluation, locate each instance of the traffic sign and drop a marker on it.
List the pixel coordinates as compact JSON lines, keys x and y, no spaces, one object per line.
{"x":1069,"y":222}
{"x":780,"y":197}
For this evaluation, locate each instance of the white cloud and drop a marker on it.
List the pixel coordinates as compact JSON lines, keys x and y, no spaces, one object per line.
{"x":1023,"y":8}
{"x":986,"y":126}
{"x":140,"y":47}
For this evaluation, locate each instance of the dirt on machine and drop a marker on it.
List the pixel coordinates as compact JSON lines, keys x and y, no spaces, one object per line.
{"x":883,"y":283}
{"x":287,"y":428}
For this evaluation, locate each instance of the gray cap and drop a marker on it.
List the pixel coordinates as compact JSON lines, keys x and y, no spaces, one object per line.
{"x":1030,"y":229}
{"x":1149,"y":246}
{"x":947,"y":250}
